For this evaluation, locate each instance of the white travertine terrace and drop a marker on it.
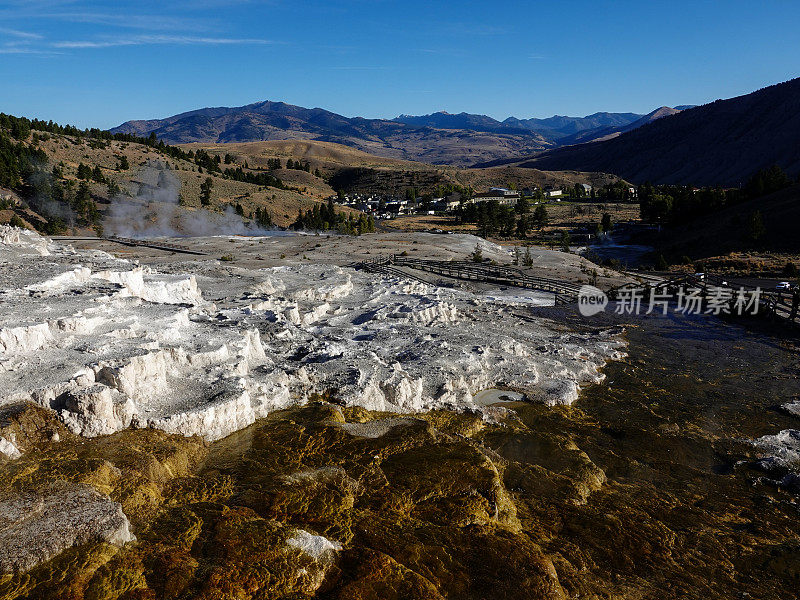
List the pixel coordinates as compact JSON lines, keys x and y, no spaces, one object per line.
{"x":207,"y":350}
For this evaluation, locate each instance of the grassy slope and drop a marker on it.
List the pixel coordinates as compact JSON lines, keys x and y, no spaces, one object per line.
{"x":331,"y":158}
{"x":282,"y":204}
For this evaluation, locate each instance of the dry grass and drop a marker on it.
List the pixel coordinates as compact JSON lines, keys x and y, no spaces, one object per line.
{"x":481,"y":179}
{"x":573,"y":214}
{"x":562,"y":216}
{"x":283,"y":205}
{"x":329,"y":158}
{"x":429,"y":222}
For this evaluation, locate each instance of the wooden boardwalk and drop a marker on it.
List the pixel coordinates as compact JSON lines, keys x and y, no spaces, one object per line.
{"x":783,"y":305}
{"x":564,"y":291}
{"x":131,"y":242}
{"x":779,"y":304}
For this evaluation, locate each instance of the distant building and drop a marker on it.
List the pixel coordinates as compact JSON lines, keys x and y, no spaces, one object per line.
{"x":586,"y":188}
{"x":396,"y":207}
{"x":444,"y":205}
{"x":554,"y":193}
{"x":506,"y":199}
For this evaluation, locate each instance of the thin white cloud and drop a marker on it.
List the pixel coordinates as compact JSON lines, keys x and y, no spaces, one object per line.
{"x":12,"y":49}
{"x":143,"y":40}
{"x":25,"y":35}
{"x":129,"y":21}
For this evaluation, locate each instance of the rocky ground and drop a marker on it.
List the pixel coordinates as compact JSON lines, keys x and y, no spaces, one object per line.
{"x":207,"y":349}
{"x":357,"y":457}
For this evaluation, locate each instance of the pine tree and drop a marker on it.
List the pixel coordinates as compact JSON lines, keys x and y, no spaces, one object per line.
{"x":540,"y":216}
{"x":205,"y":191}
{"x":477,"y":254}
{"x":527,"y":259}
{"x":757,"y":229}
{"x":84,"y":172}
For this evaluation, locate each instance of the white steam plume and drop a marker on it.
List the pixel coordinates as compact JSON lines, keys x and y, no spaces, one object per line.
{"x":154,"y":211}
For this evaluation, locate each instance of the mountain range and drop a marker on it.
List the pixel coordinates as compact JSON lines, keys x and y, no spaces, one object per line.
{"x":720,"y":143}
{"x":440,"y":138}
{"x":553,"y":128}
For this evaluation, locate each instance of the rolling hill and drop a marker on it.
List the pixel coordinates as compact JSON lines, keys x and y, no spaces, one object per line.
{"x":720,"y":143}
{"x":352,"y":170}
{"x":280,"y":121}
{"x":440,"y":138}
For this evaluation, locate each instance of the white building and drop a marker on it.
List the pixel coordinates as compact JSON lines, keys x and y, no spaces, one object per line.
{"x":509,"y":199}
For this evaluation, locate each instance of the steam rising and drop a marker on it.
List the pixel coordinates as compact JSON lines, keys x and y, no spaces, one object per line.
{"x":155,"y":211}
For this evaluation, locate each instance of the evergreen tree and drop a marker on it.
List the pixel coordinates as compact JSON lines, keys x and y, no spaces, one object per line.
{"x":757,"y":230}
{"x":205,"y":191}
{"x":20,"y":129}
{"x":83,"y":199}
{"x":540,"y":217}
{"x":113,"y":189}
{"x":523,"y":225}
{"x":565,"y":241}
{"x":263,"y":218}
{"x":527,"y":260}
{"x":84,"y":172}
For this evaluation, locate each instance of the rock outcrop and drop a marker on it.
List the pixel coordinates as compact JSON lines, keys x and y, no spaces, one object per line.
{"x":37,"y":525}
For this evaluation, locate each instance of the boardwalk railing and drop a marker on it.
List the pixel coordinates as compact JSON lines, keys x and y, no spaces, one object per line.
{"x":153,"y":244}
{"x":130,"y":242}
{"x":776,"y":303}
{"x":564,"y":291}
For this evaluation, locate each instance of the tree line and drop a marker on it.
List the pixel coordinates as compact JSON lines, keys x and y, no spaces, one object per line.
{"x":494,"y":218}
{"x":677,"y":204}
{"x":325,"y":217}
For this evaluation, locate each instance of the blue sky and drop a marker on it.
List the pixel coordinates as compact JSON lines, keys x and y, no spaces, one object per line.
{"x":101,"y":63}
